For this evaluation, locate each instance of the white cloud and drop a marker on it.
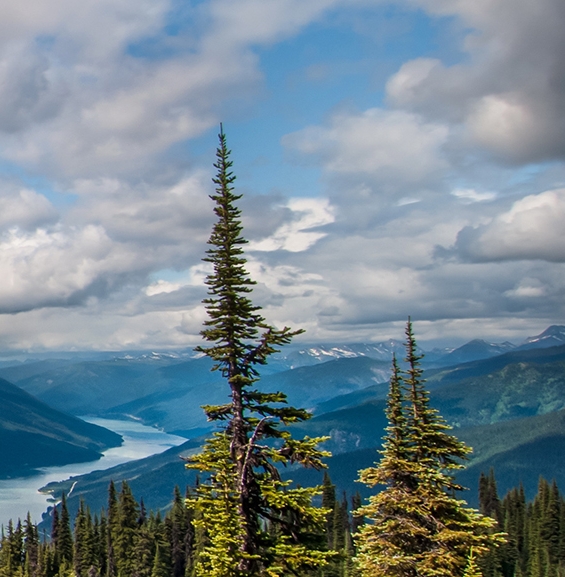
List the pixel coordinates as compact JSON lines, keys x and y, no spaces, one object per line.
{"x":391,"y":145}
{"x":78,"y":103}
{"x":24,"y":208}
{"x":244,"y":22}
{"x":97,"y":96}
{"x":527,"y":288}
{"x":162,"y":286}
{"x":51,"y":269}
{"x":509,"y":92}
{"x":472,"y":195}
{"x":531,"y":229}
{"x":297,"y":235}
{"x":153,"y":215}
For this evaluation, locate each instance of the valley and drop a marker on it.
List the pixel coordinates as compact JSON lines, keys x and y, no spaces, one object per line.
{"x":508,"y":405}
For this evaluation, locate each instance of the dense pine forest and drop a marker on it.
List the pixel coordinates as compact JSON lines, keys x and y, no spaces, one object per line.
{"x":125,"y":539}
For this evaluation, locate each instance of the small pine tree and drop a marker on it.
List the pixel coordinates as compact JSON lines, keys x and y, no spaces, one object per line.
{"x":417,"y":527}
{"x":124,"y":541}
{"x":64,"y":543}
{"x":328,"y":503}
{"x":472,"y":569}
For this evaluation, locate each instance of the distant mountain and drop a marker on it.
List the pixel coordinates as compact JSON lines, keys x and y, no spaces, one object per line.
{"x":170,"y":395}
{"x":519,"y":451}
{"x":474,"y":350}
{"x":93,"y":387}
{"x":34,"y":435}
{"x":551,"y":337}
{"x":510,"y":386}
{"x":177,"y":407}
{"x":323,"y":353}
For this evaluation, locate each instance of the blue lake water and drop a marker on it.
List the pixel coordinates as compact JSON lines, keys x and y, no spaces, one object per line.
{"x":18,"y":496}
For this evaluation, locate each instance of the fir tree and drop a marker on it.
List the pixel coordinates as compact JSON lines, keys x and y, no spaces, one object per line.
{"x":328,"y":503}
{"x":64,"y":543}
{"x":489,"y":502}
{"x":31,"y":548}
{"x":357,"y":520}
{"x":83,"y":542}
{"x":112,"y":531}
{"x":418,"y":527}
{"x":254,"y":522}
{"x":472,"y":569}
{"x":124,"y":541}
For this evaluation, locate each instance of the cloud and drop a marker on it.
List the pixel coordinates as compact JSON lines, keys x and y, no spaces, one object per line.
{"x":54,"y":268}
{"x":509,"y":94}
{"x":108,"y":101}
{"x":532,"y":229}
{"x":79,"y":102}
{"x":471,"y":195}
{"x":389,"y":145}
{"x":152,"y":216}
{"x":24,"y":208}
{"x":298,"y":235}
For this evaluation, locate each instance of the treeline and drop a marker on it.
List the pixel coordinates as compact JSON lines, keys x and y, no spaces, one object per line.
{"x":535,"y":530}
{"x":123,"y":540}
{"x":126,"y":540}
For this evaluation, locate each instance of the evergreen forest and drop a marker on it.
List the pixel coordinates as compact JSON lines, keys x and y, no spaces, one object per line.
{"x":125,"y":539}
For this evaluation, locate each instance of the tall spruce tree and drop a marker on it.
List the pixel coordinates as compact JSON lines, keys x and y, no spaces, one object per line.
{"x":254,"y":522}
{"x":417,"y":527}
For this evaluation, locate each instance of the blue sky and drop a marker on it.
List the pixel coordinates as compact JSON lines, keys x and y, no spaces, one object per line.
{"x":396,"y":158}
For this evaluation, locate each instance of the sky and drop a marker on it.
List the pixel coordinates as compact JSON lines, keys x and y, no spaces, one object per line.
{"x":400,"y":158}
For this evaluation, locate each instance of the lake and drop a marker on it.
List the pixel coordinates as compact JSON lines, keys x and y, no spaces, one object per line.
{"x":18,"y":496}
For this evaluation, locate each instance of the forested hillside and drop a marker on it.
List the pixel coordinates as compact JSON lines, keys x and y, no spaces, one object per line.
{"x":35,"y":435}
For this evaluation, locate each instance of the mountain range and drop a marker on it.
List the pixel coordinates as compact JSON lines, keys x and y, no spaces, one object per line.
{"x":505,"y":400}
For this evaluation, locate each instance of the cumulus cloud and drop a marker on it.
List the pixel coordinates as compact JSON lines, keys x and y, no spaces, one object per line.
{"x":24,"y":208}
{"x":148,"y":214}
{"x":53,"y":269}
{"x":390,"y":145}
{"x":102,"y":98}
{"x":532,"y":229}
{"x":510,"y":93}
{"x":79,"y":102}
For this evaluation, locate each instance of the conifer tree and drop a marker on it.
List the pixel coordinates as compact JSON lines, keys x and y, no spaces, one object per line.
{"x":31,"y":547}
{"x":100,"y":543}
{"x":244,"y":494}
{"x":124,"y":542}
{"x":64,"y":543}
{"x":112,"y":530}
{"x":417,"y":526}
{"x":328,"y":503}
{"x":83,"y":542}
{"x":472,"y":569}
{"x":357,"y":520}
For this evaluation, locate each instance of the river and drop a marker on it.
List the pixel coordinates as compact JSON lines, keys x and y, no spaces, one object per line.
{"x":18,"y":496}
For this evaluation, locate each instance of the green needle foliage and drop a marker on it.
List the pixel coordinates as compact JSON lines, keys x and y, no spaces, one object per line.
{"x":253,"y":523}
{"x":417,"y":527}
